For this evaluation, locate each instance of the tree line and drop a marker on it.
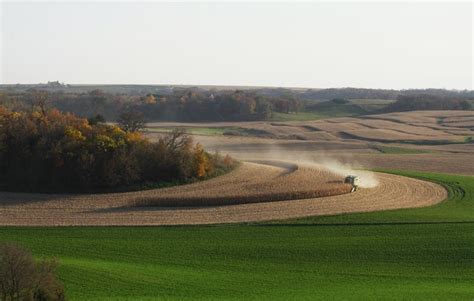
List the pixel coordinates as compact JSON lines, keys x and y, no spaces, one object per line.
{"x":360,"y":93}
{"x":181,"y":105}
{"x":423,"y":102}
{"x":201,"y":105}
{"x":51,"y":151}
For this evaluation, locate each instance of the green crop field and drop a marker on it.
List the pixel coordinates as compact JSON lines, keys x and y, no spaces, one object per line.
{"x":206,"y":131}
{"x":300,"y":116}
{"x":412,"y":254}
{"x":398,"y":150}
{"x":321,"y":111}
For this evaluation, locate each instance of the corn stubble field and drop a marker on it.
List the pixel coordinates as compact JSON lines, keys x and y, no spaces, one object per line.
{"x":291,"y":228}
{"x":253,"y":192}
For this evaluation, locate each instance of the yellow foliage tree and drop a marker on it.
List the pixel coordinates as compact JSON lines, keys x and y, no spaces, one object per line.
{"x":203,"y":165}
{"x":150,"y":99}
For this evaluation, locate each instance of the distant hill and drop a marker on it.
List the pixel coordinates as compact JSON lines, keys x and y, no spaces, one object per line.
{"x":357,"y":93}
{"x":303,"y":93}
{"x":223,"y":103}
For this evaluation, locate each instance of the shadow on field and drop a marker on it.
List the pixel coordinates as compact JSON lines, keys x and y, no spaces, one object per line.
{"x":19,"y":198}
{"x":147,"y":208}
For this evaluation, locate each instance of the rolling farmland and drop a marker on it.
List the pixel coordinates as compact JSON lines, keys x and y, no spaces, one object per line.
{"x":408,"y":140}
{"x":291,"y":229}
{"x":236,"y":150}
{"x":422,"y":127}
{"x":379,"y":255}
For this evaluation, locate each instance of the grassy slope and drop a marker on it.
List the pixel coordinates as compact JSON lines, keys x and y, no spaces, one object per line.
{"x":210,"y":131}
{"x":320,"y":113}
{"x":385,"y":255}
{"x":398,"y":150}
{"x":300,"y":116}
{"x":328,"y":109}
{"x":206,"y":131}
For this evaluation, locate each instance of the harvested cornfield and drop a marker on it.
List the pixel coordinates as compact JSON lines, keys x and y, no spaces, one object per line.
{"x":249,"y":179}
{"x":298,"y":182}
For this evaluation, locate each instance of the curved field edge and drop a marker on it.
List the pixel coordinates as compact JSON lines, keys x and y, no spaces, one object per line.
{"x":402,"y":259}
{"x":457,"y":208}
{"x":392,"y":192}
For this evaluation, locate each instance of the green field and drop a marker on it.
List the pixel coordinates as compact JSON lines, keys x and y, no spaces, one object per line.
{"x":210,"y":131}
{"x":300,"y":116}
{"x":321,"y":112}
{"x":206,"y":131}
{"x":412,"y":254}
{"x":398,"y":150}
{"x":371,"y":105}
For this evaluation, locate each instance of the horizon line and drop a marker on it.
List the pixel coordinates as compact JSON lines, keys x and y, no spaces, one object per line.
{"x":236,"y":86}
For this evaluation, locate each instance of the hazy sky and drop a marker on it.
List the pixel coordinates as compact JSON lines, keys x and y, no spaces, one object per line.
{"x":322,"y":44}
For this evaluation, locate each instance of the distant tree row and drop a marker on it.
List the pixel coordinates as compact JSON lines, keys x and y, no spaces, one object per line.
{"x":197,"y":105}
{"x":182,"y":105}
{"x":224,"y":106}
{"x":424,"y":102}
{"x":49,"y":151}
{"x":360,"y":93}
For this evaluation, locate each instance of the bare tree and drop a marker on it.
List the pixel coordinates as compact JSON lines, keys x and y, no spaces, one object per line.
{"x":17,"y":273}
{"x":131,"y":121}
{"x":47,"y":285}
{"x":21,"y":278}
{"x":40,"y":99}
{"x":177,"y":140}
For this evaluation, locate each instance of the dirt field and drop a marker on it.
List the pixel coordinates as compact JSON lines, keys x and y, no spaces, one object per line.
{"x":250,"y":179}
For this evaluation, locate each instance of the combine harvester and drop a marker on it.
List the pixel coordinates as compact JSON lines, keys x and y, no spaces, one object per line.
{"x":354,"y":181}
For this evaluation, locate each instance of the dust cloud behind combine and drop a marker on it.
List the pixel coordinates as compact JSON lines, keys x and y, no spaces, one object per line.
{"x":368,"y":179}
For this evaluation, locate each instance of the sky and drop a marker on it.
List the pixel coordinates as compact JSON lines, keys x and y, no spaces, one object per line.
{"x":397,"y":45}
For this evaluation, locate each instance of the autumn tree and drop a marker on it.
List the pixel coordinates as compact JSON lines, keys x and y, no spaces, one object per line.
{"x":150,"y":99}
{"x":202,"y":162}
{"x":59,"y":152}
